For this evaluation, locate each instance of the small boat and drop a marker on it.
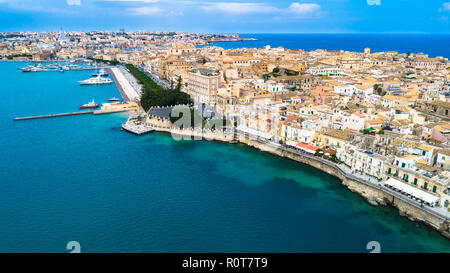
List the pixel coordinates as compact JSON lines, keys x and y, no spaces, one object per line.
{"x":113,"y":99}
{"x":92,"y":104}
{"x":101,"y":73}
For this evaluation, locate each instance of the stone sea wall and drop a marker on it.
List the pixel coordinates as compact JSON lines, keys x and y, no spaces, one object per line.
{"x":162,"y":126}
{"x":372,"y":194}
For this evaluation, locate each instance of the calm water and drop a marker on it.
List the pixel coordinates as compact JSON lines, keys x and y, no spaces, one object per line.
{"x":432,"y":44}
{"x":81,"y":178}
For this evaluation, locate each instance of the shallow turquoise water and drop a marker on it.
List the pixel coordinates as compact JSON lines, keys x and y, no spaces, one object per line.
{"x":81,"y":178}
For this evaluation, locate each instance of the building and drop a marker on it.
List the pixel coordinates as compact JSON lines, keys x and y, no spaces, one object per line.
{"x":203,"y":85}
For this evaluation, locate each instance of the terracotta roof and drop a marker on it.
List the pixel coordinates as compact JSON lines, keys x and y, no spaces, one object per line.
{"x":445,"y":151}
{"x":307,"y":146}
{"x":425,"y":148}
{"x":341,"y":134}
{"x":425,"y":167}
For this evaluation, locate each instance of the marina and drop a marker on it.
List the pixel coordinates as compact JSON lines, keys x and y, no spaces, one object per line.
{"x":61,"y":67}
{"x":112,"y":106}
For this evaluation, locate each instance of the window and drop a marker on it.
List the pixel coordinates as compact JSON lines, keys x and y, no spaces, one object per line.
{"x":425,"y":185}
{"x":415,"y":181}
{"x":389,"y":171}
{"x":396,"y":172}
{"x":434,"y":189}
{"x":403,"y":165}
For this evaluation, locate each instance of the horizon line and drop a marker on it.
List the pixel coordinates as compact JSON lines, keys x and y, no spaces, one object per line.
{"x":228,"y":33}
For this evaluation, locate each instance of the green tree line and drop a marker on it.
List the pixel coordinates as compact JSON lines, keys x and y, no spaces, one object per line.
{"x":155,"y":95}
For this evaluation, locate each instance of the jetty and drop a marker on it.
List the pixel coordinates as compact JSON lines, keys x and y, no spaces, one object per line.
{"x":54,"y":115}
{"x":95,"y":112}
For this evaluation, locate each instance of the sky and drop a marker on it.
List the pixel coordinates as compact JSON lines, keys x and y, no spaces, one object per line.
{"x":229,"y":16}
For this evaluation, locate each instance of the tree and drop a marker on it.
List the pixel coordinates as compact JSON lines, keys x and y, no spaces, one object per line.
{"x":178,"y":86}
{"x":155,"y":95}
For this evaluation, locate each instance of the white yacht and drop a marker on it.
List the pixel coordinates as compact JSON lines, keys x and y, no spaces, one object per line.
{"x":96,"y":80}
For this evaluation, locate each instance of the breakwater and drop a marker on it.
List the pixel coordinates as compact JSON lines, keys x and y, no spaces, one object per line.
{"x":95,"y":112}
{"x":54,"y":115}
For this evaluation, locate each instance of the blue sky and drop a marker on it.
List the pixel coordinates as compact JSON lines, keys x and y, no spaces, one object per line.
{"x":224,"y":16}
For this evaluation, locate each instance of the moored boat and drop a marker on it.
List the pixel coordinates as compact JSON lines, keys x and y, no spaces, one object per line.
{"x":91,"y":104}
{"x":96,"y":80}
{"x":113,"y":99}
{"x":101,"y":73}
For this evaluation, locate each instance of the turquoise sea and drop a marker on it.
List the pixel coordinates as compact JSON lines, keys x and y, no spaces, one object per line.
{"x":82,"y":179}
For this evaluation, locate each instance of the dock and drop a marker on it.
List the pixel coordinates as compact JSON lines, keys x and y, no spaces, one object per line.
{"x":136,"y":129}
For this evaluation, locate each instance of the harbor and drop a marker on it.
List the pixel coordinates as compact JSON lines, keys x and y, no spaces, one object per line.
{"x":59,"y":67}
{"x":126,"y":85}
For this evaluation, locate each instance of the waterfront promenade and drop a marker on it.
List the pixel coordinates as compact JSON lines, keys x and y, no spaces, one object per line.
{"x":128,"y":88}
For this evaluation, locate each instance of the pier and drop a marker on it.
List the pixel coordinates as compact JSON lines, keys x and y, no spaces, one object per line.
{"x":55,"y":115}
{"x":136,"y":127}
{"x":95,"y":112}
{"x":137,"y":130}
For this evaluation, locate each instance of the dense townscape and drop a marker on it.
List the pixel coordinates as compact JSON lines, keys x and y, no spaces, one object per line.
{"x":383,"y":115}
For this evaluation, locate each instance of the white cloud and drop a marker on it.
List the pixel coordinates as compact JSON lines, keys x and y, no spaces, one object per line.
{"x":146,"y":11}
{"x":73,"y":2}
{"x":238,"y":8}
{"x":136,"y":1}
{"x":303,"y":9}
{"x":445,"y":7}
{"x":247,"y":8}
